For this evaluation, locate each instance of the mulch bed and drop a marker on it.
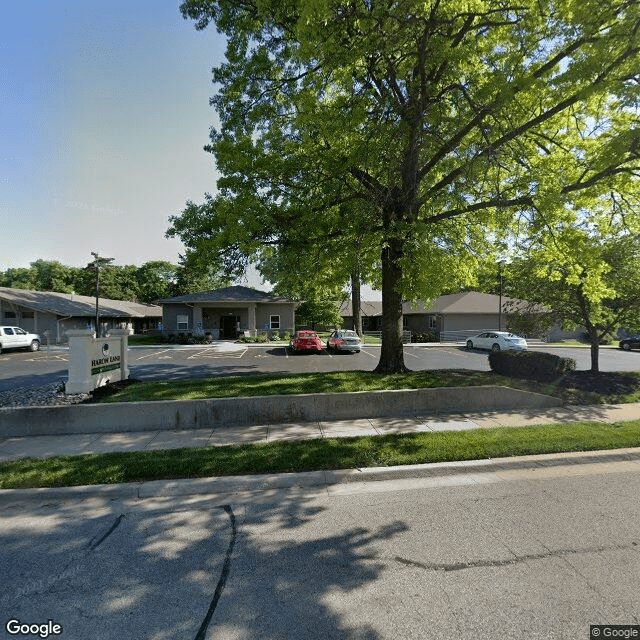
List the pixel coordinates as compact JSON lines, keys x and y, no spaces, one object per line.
{"x":603,"y":383}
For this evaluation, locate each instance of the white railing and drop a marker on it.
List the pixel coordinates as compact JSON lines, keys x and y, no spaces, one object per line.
{"x":406,"y":335}
{"x":462,"y":336}
{"x":459,"y":336}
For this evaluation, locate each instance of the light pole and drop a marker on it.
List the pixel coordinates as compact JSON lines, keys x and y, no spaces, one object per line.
{"x":96,"y":264}
{"x":501,"y":280}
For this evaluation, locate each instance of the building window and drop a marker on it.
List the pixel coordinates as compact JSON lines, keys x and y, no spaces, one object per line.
{"x":432,"y":322}
{"x":27,"y":315}
{"x":9,"y":315}
{"x":274,"y":322}
{"x":183,"y":323}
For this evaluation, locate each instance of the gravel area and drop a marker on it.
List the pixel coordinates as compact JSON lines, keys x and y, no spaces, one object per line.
{"x":47,"y":396}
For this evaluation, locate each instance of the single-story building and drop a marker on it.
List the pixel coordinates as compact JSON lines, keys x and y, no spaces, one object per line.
{"x":227,"y":313}
{"x":469,"y":312}
{"x":52,"y":314}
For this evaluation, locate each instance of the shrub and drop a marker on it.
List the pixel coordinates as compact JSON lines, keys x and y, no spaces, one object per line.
{"x":424,"y":336}
{"x":530,"y":364}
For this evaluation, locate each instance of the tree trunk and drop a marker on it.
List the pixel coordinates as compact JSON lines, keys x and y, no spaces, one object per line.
{"x":356,"y":305}
{"x":594,"y":341}
{"x":592,"y":331}
{"x":595,"y":354}
{"x":391,"y":353}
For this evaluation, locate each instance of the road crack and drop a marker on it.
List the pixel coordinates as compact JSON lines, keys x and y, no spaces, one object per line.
{"x":560,"y":553}
{"x":223,"y":575}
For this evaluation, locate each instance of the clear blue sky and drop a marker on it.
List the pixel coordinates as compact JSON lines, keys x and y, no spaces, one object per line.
{"x":104,"y":110}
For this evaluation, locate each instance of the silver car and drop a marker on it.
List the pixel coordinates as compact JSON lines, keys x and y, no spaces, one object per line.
{"x":344,"y":340}
{"x":497,"y":341}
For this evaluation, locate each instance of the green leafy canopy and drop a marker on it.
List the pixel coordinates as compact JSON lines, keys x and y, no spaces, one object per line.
{"x":414,"y":131}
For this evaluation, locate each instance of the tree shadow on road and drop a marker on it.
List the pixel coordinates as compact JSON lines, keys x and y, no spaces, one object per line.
{"x":186,"y":568}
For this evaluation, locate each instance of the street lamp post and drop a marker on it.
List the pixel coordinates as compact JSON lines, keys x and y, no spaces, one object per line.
{"x":501,"y":279}
{"x":96,"y":264}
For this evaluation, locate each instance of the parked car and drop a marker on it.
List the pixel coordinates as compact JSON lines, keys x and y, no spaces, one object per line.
{"x":630,"y":343}
{"x":344,"y":340}
{"x":305,"y":340}
{"x":16,"y":338}
{"x":497,"y":341}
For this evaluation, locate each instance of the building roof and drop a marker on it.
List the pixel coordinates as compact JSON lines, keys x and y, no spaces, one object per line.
{"x":71,"y":304}
{"x":227,"y":294}
{"x":468,"y":302}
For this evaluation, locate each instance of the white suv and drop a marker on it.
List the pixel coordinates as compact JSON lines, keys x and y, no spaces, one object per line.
{"x":15,"y":338}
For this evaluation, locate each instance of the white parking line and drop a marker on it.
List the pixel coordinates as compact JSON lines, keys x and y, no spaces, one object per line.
{"x":286,"y":353}
{"x":155,"y":353}
{"x":369,"y":354}
{"x":213,"y":353}
{"x":45,"y":357}
{"x":195,"y":355}
{"x":457,"y":352}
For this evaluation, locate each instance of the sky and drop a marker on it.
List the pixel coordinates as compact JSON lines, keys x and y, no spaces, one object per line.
{"x":104,"y":113}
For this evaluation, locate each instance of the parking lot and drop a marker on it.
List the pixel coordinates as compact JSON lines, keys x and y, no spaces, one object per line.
{"x":21,"y":368}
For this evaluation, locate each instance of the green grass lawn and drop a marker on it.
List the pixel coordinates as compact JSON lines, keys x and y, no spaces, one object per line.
{"x":295,"y":383}
{"x":346,"y":381}
{"x":584,"y":345}
{"x":309,"y":455}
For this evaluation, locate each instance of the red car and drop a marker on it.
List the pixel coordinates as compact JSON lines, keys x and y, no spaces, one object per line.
{"x":305,"y":341}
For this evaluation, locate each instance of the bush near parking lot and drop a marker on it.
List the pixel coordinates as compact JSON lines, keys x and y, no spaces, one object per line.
{"x":532,"y":365}
{"x":424,"y":336}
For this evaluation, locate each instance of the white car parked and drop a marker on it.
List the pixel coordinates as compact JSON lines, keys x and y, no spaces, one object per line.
{"x":16,"y":338}
{"x":344,"y":340}
{"x":497,"y":341}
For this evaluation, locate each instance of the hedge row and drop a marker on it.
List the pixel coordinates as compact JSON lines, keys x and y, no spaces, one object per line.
{"x":530,"y":364}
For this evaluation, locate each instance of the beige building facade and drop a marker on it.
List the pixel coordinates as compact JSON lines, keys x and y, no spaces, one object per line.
{"x":227,"y":313}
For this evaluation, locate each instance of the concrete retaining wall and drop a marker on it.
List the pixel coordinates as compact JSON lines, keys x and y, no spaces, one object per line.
{"x":227,"y":412}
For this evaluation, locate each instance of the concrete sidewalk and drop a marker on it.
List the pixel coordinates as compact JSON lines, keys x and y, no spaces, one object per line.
{"x":12,"y":448}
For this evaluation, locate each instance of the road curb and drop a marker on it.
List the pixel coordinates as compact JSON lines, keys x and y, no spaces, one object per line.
{"x":316,"y":479}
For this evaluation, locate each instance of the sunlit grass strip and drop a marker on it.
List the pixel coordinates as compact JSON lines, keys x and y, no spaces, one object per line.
{"x":345,"y":381}
{"x":330,"y":382}
{"x":310,"y":455}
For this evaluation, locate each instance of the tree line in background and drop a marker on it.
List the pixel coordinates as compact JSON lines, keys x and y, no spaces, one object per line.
{"x":152,"y":281}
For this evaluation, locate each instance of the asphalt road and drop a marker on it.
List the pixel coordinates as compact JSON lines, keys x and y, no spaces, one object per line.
{"x":535,"y":556}
{"x":20,"y":368}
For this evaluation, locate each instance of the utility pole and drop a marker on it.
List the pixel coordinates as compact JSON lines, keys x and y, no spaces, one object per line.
{"x":500,"y":267}
{"x":96,"y":264}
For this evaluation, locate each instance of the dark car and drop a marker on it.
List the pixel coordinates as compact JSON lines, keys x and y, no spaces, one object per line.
{"x":305,"y":341}
{"x":630,"y":343}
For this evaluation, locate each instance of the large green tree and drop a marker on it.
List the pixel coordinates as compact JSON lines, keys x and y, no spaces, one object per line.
{"x":585,"y":277}
{"x":156,"y":280}
{"x":446,"y":122}
{"x":42,"y":275}
{"x":153,"y":280}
